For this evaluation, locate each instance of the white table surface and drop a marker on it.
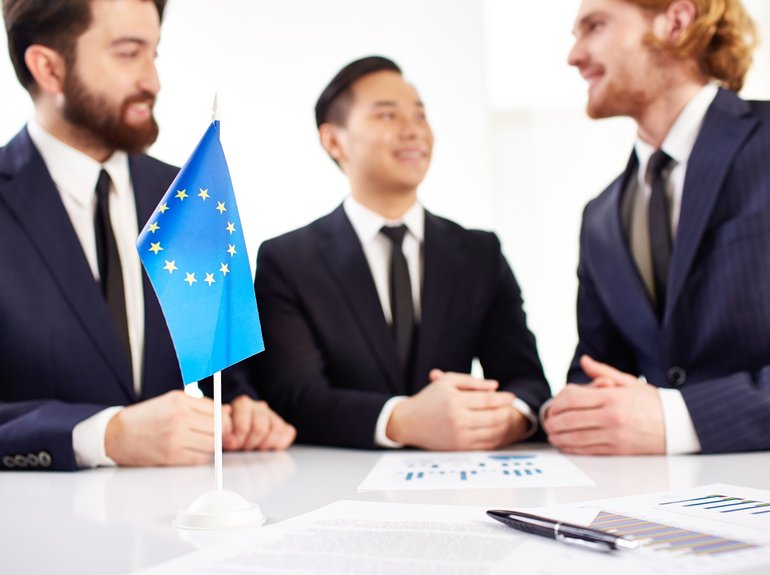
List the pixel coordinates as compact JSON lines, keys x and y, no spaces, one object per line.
{"x":119,"y":520}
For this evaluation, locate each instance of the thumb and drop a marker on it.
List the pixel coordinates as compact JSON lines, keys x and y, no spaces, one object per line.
{"x":598,"y":370}
{"x":435,"y":374}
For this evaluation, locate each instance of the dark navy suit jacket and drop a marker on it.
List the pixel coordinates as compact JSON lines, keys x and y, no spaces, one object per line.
{"x":713,"y":343}
{"x":60,"y":357}
{"x":330,"y":362}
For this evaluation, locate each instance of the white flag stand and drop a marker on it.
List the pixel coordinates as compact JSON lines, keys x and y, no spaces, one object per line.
{"x":219,"y":508}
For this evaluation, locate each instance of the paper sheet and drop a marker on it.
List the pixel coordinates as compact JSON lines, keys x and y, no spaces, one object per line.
{"x":364,"y":538}
{"x":471,"y":470}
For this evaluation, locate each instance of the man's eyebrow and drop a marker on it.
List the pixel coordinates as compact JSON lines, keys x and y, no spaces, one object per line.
{"x":128,"y":40}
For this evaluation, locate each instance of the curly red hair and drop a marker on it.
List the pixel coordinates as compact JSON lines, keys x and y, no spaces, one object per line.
{"x":722,"y":38}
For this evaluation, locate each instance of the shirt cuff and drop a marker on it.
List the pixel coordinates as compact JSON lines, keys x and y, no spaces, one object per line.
{"x":380,"y":436}
{"x":88,"y":440}
{"x":523,"y":407}
{"x":681,"y":437}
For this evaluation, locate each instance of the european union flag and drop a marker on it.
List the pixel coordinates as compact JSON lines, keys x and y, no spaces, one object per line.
{"x":194,"y":252}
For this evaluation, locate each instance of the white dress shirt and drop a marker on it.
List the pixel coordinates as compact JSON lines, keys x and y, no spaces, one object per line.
{"x":75,"y":175}
{"x":679,"y":142}
{"x":367,"y":225}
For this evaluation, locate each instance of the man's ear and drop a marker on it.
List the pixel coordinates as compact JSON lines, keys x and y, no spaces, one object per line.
{"x":332,"y":139}
{"x":680,"y":15}
{"x":47,"y":67}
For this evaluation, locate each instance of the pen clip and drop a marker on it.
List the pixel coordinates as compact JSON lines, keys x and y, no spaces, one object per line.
{"x":593,"y":545}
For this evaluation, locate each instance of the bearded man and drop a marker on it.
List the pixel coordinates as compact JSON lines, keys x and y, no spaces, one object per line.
{"x":89,"y":376}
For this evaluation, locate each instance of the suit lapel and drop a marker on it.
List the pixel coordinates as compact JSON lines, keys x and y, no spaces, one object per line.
{"x":609,"y":259}
{"x":32,"y":197}
{"x":727,"y":124}
{"x":439,"y":259}
{"x":341,"y":251}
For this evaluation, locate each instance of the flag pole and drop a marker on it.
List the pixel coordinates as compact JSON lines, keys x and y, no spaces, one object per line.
{"x":218,"y":429}
{"x":217,"y":376}
{"x":219,"y":508}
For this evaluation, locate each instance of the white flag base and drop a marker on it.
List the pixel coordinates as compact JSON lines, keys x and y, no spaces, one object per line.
{"x":219,"y":509}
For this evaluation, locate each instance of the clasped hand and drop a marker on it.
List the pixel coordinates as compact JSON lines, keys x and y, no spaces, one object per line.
{"x":176,"y":429}
{"x":616,"y":414}
{"x":456,"y":411}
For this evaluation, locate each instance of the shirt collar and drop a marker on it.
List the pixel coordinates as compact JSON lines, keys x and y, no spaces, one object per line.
{"x":75,"y":173}
{"x":367,"y":223}
{"x":680,"y":139}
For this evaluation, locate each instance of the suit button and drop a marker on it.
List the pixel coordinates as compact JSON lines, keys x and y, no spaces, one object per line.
{"x":44,"y":458}
{"x":676,"y":376}
{"x":32,"y":460}
{"x":8,"y":462}
{"x":20,"y":460}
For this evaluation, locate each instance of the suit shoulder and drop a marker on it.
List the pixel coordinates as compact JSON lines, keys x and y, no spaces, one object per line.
{"x":760,"y":108}
{"x":474,"y":239}
{"x":299,"y":240}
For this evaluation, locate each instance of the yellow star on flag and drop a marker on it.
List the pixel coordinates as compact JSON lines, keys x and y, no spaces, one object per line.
{"x":190,"y":278}
{"x":182,"y":194}
{"x":163,"y":207}
{"x":209,"y":279}
{"x":221,"y":207}
{"x":231,"y":250}
{"x":225,"y":269}
{"x":155,"y":247}
{"x":204,"y":194}
{"x":230,"y":227}
{"x":170,"y":266}
{"x":154,"y":227}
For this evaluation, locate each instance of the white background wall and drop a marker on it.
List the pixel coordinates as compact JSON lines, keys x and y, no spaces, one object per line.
{"x":514,"y":151}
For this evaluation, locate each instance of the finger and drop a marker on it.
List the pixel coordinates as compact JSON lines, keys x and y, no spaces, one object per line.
{"x":486,"y":399}
{"x":493,"y":418}
{"x":435,"y":374}
{"x":604,"y":382}
{"x":198,"y":422}
{"x":260,"y":427}
{"x":467,"y":382}
{"x":201,"y":405}
{"x":191,"y":440}
{"x":242,"y":418}
{"x":595,"y":369}
{"x":591,"y":450}
{"x":573,"y":420}
{"x":280,"y":437}
{"x":577,"y":397}
{"x":585,"y":438}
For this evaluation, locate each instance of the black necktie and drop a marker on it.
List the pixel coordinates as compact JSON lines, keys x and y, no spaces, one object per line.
{"x":401,"y":305}
{"x":110,"y":272}
{"x":659,"y":226}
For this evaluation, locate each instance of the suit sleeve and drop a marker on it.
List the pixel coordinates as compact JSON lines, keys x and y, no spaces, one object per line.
{"x":597,"y":335}
{"x":38,"y":434}
{"x":291,"y":375}
{"x":507,"y":348}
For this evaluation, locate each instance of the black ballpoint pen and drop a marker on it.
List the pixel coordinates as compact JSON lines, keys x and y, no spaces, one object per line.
{"x":560,"y":531}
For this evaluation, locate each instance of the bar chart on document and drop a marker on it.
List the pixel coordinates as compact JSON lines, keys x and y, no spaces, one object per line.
{"x":472,"y":470}
{"x":716,"y":528}
{"x":667,"y":538}
{"x":722,"y":506}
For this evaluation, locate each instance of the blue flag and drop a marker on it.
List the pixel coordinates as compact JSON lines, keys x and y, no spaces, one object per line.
{"x":194,"y":252}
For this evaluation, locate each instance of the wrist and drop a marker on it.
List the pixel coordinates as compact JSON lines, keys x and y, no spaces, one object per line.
{"x":396,"y":429}
{"x":112,"y":435}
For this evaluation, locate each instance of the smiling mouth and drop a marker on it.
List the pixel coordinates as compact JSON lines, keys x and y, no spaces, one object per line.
{"x":411,"y":154}
{"x":138,"y":111}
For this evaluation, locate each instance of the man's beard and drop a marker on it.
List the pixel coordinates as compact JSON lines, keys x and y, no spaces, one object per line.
{"x":91,"y":112}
